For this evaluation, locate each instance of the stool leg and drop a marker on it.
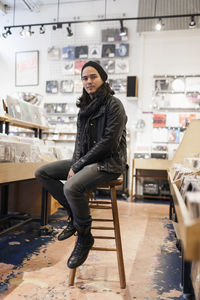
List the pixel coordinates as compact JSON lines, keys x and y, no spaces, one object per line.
{"x":72,"y":274}
{"x":118,"y":238}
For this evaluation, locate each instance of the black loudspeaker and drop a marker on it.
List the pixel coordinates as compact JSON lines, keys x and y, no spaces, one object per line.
{"x":132,"y":86}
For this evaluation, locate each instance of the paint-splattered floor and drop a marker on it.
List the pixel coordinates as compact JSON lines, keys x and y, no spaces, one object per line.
{"x":34,"y":267}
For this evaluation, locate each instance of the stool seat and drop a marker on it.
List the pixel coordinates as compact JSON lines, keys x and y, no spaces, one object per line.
{"x":112,"y":205}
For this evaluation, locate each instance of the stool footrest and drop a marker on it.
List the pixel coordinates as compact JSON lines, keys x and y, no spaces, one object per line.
{"x":99,"y":202}
{"x":102,"y":228}
{"x":103,"y":249}
{"x":100,"y":207}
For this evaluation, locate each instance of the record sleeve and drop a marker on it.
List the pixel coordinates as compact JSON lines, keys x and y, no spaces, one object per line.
{"x":68,"y":67}
{"x":78,"y":86}
{"x":118,"y":85}
{"x":108,"y":35}
{"x":109,"y":66}
{"x":68,"y":52}
{"x":53,"y":53}
{"x":52,"y":86}
{"x":159,"y":120}
{"x":108,"y":50}
{"x":174,"y":135}
{"x":94,"y":51}
{"x":14,"y":109}
{"x":66,"y":86}
{"x":78,"y":66}
{"x":81,"y":52}
{"x":122,"y":50}
{"x":121,"y":66}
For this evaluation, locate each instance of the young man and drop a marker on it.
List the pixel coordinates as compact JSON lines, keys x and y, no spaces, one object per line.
{"x":99,"y":156}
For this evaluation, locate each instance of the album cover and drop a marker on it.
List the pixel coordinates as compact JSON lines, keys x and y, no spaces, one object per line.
{"x":66,"y":86}
{"x":52,"y":86}
{"x":118,"y":85}
{"x":185,"y":119}
{"x":14,"y":109}
{"x":163,"y":85}
{"x":26,"y":114}
{"x":36,"y":115}
{"x":122,"y":50}
{"x":174,"y":135}
{"x":53,"y":53}
{"x":60,"y":107}
{"x":78,"y":66}
{"x":78,"y":86}
{"x":109,"y":66}
{"x":68,"y":52}
{"x":108,"y":35}
{"x":94,"y":51}
{"x":68,"y":68}
{"x":50,"y":108}
{"x":108,"y":50}
{"x":159,"y":120}
{"x":121,"y":66}
{"x":81,"y":52}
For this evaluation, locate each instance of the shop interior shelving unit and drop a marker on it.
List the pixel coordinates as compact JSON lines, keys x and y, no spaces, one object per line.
{"x":20,"y":192}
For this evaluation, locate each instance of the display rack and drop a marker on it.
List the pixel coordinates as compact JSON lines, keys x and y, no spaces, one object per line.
{"x":189,"y":228}
{"x":9,"y":121}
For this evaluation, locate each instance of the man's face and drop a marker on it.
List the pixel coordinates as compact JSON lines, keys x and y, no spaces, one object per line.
{"x":91,"y":80}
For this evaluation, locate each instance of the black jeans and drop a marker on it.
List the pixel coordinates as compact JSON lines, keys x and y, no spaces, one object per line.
{"x":71,"y":193}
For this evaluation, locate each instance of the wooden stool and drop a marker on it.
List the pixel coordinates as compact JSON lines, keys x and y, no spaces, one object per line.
{"x":107,"y":204}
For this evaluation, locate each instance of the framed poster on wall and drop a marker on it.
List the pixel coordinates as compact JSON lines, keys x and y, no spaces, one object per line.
{"x":27,"y":68}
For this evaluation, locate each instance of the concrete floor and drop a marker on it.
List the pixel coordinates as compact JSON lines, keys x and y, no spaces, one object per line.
{"x":34,"y":267}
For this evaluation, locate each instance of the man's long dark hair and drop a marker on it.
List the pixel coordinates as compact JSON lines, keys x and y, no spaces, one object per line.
{"x":103,"y":91}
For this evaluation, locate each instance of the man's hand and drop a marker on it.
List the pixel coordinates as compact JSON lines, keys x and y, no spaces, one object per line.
{"x":70,"y":174}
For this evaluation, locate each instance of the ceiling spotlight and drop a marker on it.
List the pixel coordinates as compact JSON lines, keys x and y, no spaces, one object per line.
{"x":7,"y":32}
{"x":159,"y":25}
{"x":192,"y":23}
{"x":42,"y":29}
{"x":69,"y":30}
{"x":23,"y":32}
{"x":123,"y":30}
{"x":29,"y":32}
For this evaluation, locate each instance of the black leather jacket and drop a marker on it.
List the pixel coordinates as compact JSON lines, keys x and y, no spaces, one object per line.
{"x":108,"y":127}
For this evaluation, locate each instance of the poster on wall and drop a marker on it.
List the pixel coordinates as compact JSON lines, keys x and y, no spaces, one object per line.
{"x":27,"y":68}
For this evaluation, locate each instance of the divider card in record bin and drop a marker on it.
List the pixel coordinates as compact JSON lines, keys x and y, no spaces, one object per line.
{"x":159,"y":120}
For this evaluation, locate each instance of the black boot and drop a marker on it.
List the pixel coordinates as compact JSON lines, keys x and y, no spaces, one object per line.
{"x":68,"y":231}
{"x":83,"y":245}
